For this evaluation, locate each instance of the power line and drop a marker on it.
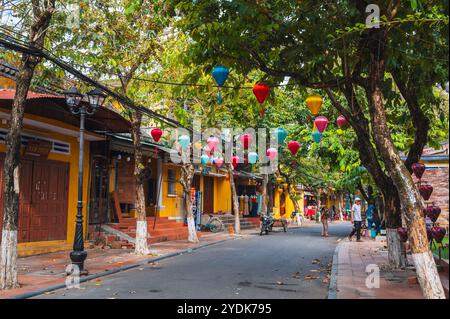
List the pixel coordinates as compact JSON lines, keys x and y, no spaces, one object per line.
{"x":119,"y":97}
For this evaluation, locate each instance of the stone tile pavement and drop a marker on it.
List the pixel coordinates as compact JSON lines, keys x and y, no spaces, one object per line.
{"x":350,"y":263}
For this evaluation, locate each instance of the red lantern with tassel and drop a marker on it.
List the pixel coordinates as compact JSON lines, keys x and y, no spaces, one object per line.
{"x":261,"y":92}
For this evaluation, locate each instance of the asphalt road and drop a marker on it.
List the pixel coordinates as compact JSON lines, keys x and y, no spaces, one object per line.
{"x":293,"y":265}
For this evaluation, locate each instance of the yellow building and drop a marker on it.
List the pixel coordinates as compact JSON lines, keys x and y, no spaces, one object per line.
{"x":49,"y":167}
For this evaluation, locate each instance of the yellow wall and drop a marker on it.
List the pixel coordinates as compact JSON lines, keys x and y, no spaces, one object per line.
{"x":171,"y":203}
{"x":72,"y":159}
{"x":222,"y":195}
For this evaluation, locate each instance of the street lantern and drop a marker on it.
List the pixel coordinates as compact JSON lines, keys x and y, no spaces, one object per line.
{"x":74,"y":98}
{"x":96,"y":98}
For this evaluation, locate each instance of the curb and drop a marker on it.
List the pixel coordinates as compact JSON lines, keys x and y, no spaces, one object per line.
{"x":332,"y":290}
{"x":120,"y":269}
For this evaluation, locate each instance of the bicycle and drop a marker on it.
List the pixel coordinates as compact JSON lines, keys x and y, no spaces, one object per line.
{"x":213,"y":225}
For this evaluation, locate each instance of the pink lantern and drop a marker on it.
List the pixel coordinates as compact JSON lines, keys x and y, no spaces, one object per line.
{"x":246,"y":140}
{"x":212,"y":143}
{"x":272,"y":153}
{"x":341,"y":121}
{"x":207,"y":150}
{"x":321,"y":123}
{"x":235,"y":160}
{"x":218,"y":162}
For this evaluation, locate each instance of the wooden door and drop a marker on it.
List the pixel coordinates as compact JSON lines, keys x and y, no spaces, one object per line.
{"x":44,"y":187}
{"x":48,"y":218}
{"x":99,"y":192}
{"x":208,"y":195}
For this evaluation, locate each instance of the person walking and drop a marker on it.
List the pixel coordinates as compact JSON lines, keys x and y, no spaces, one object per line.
{"x":356,"y":219}
{"x":324,"y":215}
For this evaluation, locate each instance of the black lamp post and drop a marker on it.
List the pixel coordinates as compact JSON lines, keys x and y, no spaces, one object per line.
{"x":74,"y":101}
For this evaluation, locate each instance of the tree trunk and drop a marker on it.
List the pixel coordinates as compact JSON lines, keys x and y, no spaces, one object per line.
{"x":8,"y":249}
{"x":141,"y":245}
{"x":264,"y":195}
{"x":393,"y":220}
{"x":410,"y":198}
{"x":237,"y":221}
{"x":187,"y":175}
{"x":269,"y":196}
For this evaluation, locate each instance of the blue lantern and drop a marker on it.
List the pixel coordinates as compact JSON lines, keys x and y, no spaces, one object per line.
{"x":317,"y":136}
{"x":204,"y":159}
{"x":184,"y":141}
{"x":220,"y":74}
{"x":252,"y":157}
{"x":281,"y":134}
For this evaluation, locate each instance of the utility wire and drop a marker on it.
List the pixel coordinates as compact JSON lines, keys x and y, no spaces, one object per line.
{"x":11,"y":44}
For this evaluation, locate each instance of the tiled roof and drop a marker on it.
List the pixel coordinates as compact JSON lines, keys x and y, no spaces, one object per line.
{"x":9,"y":95}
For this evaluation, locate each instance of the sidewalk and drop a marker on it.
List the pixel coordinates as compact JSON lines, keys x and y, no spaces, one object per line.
{"x":47,"y":271}
{"x":349,"y":273}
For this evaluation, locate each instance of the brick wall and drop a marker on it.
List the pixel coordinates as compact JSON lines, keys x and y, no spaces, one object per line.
{"x":438,"y":178}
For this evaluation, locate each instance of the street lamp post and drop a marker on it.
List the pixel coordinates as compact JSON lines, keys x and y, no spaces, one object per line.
{"x":74,"y":101}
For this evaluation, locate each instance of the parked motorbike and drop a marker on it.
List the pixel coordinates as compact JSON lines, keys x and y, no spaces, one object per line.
{"x":266,"y":224}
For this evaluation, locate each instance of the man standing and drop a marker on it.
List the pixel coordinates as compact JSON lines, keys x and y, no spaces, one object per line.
{"x":356,"y":219}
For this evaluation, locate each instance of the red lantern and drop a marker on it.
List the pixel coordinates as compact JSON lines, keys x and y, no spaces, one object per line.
{"x":321,"y":123}
{"x":432,"y":212}
{"x":235,"y":160}
{"x":156,"y":134}
{"x":341,"y":121}
{"x":426,"y":191}
{"x":261,"y":91}
{"x":438,"y":233}
{"x":403,"y":233}
{"x":418,"y":169}
{"x":293,"y":147}
{"x":246,"y":140}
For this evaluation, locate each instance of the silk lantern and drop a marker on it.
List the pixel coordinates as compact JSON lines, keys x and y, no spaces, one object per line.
{"x":281,"y":134}
{"x":204,"y":159}
{"x":418,"y":169}
{"x":316,"y":136}
{"x":220,"y":74}
{"x":246,"y":140}
{"x":272,"y":153}
{"x":321,"y":123}
{"x":252,"y":157}
{"x":156,"y":134}
{"x":212,"y":142}
{"x":341,"y":121}
{"x":261,"y":92}
{"x":293,"y":147}
{"x":426,"y":191}
{"x":235,"y":160}
{"x":218,"y":162}
{"x":314,"y":104}
{"x":184,"y":141}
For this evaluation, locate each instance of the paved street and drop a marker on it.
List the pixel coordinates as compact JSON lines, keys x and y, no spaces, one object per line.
{"x":295,"y":264}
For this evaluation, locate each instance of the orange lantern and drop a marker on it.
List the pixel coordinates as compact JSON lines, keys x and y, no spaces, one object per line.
{"x":314,"y":103}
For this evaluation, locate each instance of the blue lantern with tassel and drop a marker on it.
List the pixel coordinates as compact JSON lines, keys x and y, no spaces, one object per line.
{"x":220,"y":74}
